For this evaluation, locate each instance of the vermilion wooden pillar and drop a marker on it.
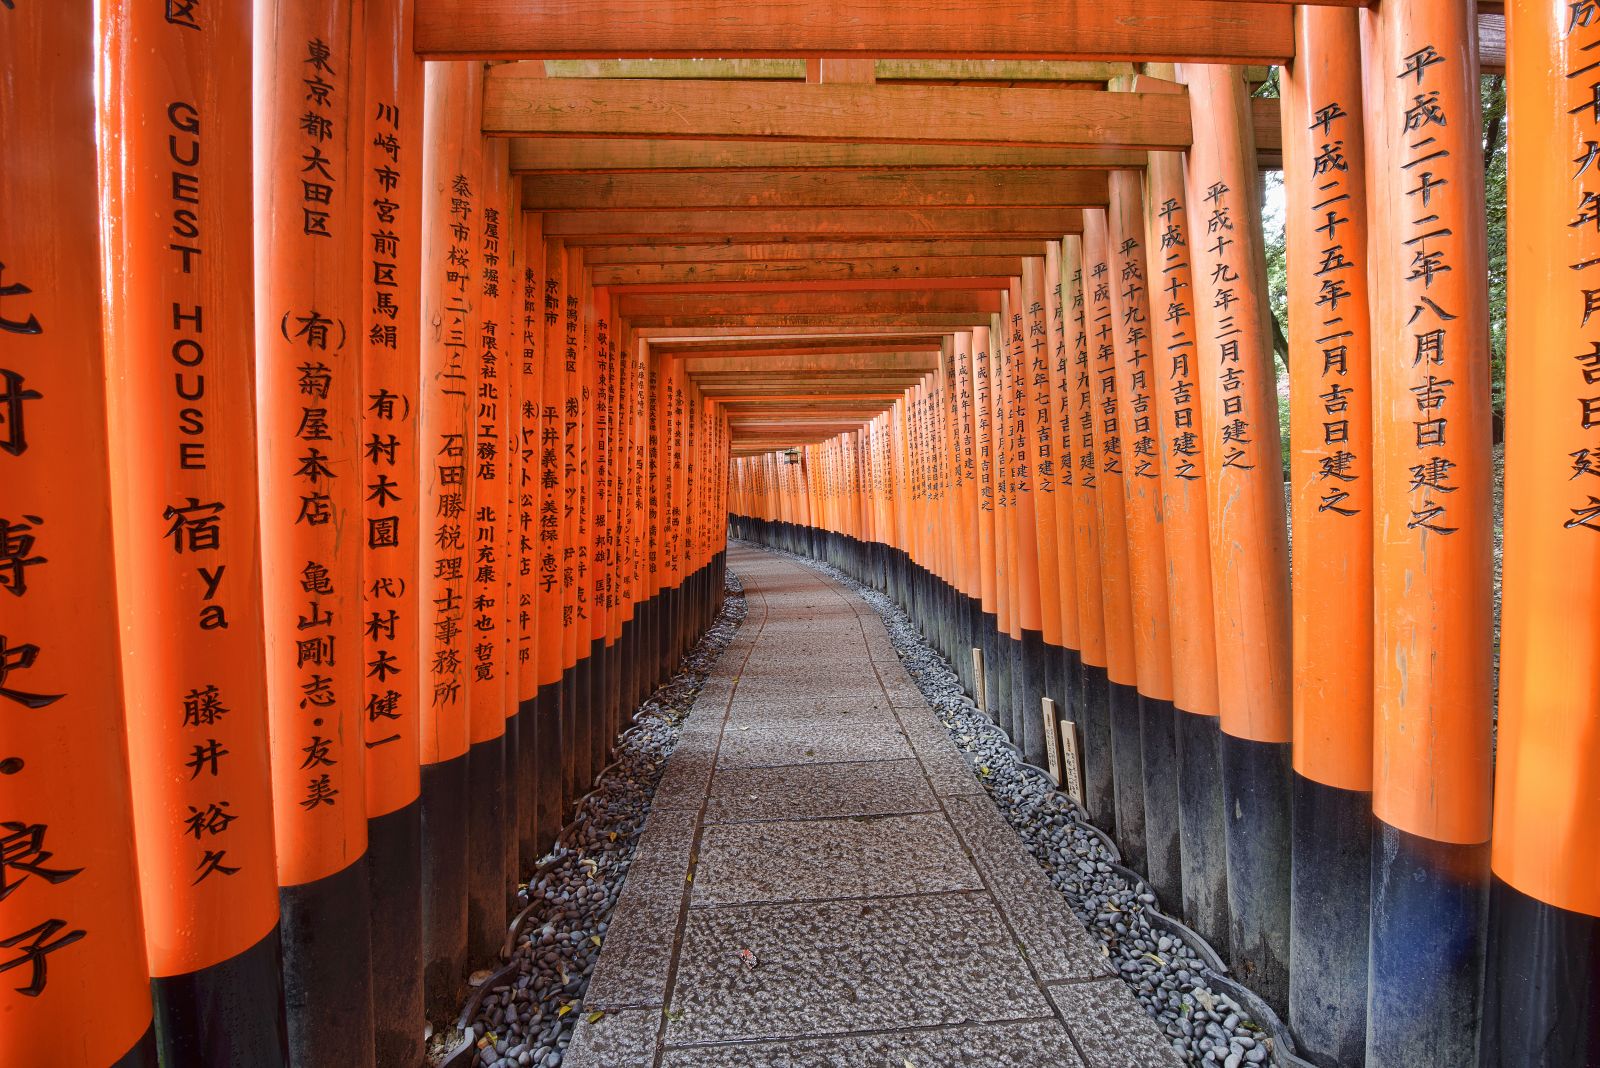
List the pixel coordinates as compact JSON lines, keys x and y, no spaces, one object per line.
{"x":451,"y":222}
{"x":1101,"y":327}
{"x":1544,"y":940}
{"x":1027,"y":680}
{"x":1203,"y":838}
{"x":539,"y":782}
{"x":1249,"y":551}
{"x":1137,"y":381}
{"x":1432,"y":533}
{"x":988,"y":562}
{"x":179,"y":337}
{"x":309,"y":151}
{"x":1058,"y":379}
{"x":392,"y":608}
{"x":483,"y":533}
{"x":1098,"y":781}
{"x":1330,"y":415}
{"x":71,"y":933}
{"x":1037,"y":439}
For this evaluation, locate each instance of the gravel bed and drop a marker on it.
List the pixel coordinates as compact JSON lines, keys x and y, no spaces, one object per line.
{"x":528,"y":1019}
{"x":1204,"y":1025}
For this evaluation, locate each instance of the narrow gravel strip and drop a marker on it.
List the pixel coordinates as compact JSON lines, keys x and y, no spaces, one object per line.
{"x":1205,"y":1026}
{"x":529,"y":1019}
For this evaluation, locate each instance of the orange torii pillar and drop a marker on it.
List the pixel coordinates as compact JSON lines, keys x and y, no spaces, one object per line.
{"x":179,"y":336}
{"x":483,"y":535}
{"x":988,"y":636}
{"x":309,"y":139}
{"x":1249,"y":550}
{"x":1093,"y":683}
{"x":556,"y":464}
{"x":1027,"y":647}
{"x":1432,"y":533}
{"x":1127,"y":759}
{"x":1037,"y":441}
{"x":1004,"y":664}
{"x":71,"y":934}
{"x":1203,"y":840}
{"x":540,"y":739}
{"x":1056,"y":411}
{"x":1544,"y":910}
{"x":1137,"y":418}
{"x":392,"y":340}
{"x":451,"y":219}
{"x":1330,"y":397}
{"x":966,"y":604}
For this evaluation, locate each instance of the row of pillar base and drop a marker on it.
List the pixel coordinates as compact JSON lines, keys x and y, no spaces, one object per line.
{"x":1405,"y":951}
{"x":362,"y":960}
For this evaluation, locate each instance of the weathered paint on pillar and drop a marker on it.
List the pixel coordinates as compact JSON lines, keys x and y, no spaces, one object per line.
{"x":1432,"y":526}
{"x":1544,"y":928}
{"x":71,"y":933}
{"x":1187,"y":553}
{"x":1059,"y":374}
{"x":1249,"y":550}
{"x":451,"y":217}
{"x":179,"y":345}
{"x":1330,"y":416}
{"x":309,"y":139}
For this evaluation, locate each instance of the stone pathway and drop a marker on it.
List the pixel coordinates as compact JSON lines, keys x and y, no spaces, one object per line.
{"x":816,"y":815}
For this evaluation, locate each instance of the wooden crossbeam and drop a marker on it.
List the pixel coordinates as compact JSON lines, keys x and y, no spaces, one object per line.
{"x":693,"y":323}
{"x":1218,"y":31}
{"x":779,"y":346}
{"x":842,"y":361}
{"x":625,"y":227}
{"x":840,"y":303}
{"x":515,"y":104}
{"x":951,"y":272}
{"x":753,"y":190}
{"x":563,"y":155}
{"x":888,"y":246}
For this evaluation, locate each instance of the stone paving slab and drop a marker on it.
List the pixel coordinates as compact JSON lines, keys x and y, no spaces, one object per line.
{"x":840,"y":966}
{"x":816,"y":813}
{"x":882,"y":856}
{"x":750,"y":746}
{"x":1111,"y":1026}
{"x":817,"y":791}
{"x":1042,"y":1044}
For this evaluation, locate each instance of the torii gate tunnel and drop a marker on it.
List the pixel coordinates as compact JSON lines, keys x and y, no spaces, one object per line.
{"x":380,"y":381}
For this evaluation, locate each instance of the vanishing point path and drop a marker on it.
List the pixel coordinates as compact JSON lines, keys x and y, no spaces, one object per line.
{"x":822,"y":881}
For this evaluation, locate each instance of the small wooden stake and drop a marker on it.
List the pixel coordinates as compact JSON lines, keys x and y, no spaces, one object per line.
{"x":1052,"y":749}
{"x":979,"y":683}
{"x":1071,"y":760}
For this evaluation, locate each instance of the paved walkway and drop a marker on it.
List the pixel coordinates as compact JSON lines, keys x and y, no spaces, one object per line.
{"x":817,"y":815}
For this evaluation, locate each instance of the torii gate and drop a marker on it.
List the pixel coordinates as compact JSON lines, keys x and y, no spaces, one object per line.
{"x":392,"y":471}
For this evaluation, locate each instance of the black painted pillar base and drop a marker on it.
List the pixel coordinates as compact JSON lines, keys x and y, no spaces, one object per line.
{"x":511,"y":806}
{"x":1430,"y":903}
{"x":1035,"y":685}
{"x":1255,"y":785}
{"x":394,"y":874}
{"x":1127,"y":772}
{"x":989,"y":642}
{"x":327,"y":968}
{"x":142,"y":1054}
{"x":1204,"y":837}
{"x":444,"y":886}
{"x":529,"y":781}
{"x":1094,"y":727}
{"x":569,"y":742}
{"x":1542,"y":1006}
{"x":228,"y":1013}
{"x":486,"y":851}
{"x":1329,"y":911}
{"x":1162,"y":826}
